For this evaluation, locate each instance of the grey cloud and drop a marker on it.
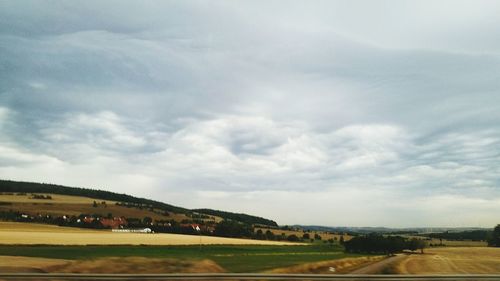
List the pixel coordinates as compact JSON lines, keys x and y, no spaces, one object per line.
{"x":217,"y":105}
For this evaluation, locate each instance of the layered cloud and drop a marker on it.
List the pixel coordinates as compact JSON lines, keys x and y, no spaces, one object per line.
{"x":312,"y":113}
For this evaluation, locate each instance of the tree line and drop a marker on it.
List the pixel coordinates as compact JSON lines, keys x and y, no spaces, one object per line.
{"x":472,"y":235}
{"x":244,"y":218}
{"x":379,"y":244}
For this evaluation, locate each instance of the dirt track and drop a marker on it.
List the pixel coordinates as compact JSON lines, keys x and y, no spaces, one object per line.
{"x":437,"y":261}
{"x":463,"y":260}
{"x":379,"y":267}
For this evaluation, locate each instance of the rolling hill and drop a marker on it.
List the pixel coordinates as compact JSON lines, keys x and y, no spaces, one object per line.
{"x":20,"y":196}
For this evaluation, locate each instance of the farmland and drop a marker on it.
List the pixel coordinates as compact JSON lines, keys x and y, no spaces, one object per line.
{"x":75,"y":205}
{"x":450,"y":243}
{"x":55,"y":199}
{"x":444,"y":260}
{"x":232,"y":258}
{"x":299,"y":233}
{"x":48,"y":248}
{"x":450,"y":260}
{"x":39,"y":234}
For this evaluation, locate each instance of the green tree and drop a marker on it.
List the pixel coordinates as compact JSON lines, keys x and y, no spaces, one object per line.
{"x":494,"y":240}
{"x":270,"y":235}
{"x":259,"y":234}
{"x":147,"y":220}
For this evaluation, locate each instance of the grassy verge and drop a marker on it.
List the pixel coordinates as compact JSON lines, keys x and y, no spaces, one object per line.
{"x":245,"y":258}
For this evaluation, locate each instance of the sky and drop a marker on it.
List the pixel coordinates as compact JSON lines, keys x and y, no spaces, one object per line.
{"x":337,"y":113}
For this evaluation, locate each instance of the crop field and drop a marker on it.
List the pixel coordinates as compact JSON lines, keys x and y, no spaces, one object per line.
{"x":56,"y":199}
{"x":461,"y":243}
{"x":61,"y":205}
{"x":451,"y":243}
{"x":60,"y":209}
{"x":324,"y":235}
{"x":39,"y":234}
{"x":37,"y":227}
{"x":448,"y":260}
{"x":231,"y":258}
{"x":106,"y":265}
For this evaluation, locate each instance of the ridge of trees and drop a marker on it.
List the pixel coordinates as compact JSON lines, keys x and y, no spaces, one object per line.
{"x":473,"y":235}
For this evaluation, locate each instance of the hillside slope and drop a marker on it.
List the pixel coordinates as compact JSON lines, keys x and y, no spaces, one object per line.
{"x":19,"y":187}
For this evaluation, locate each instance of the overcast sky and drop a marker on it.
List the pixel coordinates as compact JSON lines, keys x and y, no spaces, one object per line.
{"x":340,"y":113}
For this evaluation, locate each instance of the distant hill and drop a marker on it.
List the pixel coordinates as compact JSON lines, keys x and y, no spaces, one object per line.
{"x":8,"y":186}
{"x":248,"y":219}
{"x":386,"y":230}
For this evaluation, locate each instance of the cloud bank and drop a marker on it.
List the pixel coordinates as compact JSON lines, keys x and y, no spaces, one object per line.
{"x":334,"y":112}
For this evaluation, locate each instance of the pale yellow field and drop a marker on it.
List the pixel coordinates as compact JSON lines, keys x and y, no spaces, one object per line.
{"x":75,"y":205}
{"x":345,"y":265}
{"x":17,"y":234}
{"x":36,"y":227}
{"x":28,"y":264}
{"x":107,"y":265}
{"x":452,"y":243}
{"x":56,"y":199}
{"x":447,"y":260}
{"x":324,"y":235}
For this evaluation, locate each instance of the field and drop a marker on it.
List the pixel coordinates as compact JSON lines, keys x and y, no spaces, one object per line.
{"x":448,"y":260}
{"x":232,"y":258}
{"x":451,"y":243}
{"x":40,"y":234}
{"x":61,"y":205}
{"x":324,"y":235}
{"x":56,"y":199}
{"x":457,"y":243}
{"x":106,"y":265}
{"x":49,"y":248}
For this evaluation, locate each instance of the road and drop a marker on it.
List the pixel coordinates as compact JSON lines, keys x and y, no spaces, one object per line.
{"x":378,"y":267}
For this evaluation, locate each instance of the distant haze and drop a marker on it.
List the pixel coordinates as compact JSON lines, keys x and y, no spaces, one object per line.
{"x":356,"y":113}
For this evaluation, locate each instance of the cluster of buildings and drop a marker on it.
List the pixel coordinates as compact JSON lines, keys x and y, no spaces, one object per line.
{"x":113,"y":223}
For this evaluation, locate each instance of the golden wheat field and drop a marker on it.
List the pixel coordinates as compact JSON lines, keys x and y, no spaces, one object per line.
{"x":324,"y":235}
{"x":447,"y":260}
{"x":345,"y":265}
{"x":56,"y":199}
{"x":106,"y":265}
{"x":39,"y":234}
{"x":61,"y":205}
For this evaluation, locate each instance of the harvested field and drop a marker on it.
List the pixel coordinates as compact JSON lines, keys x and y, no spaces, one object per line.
{"x":345,"y":265}
{"x":28,"y":264}
{"x":75,"y":209}
{"x":61,"y":205}
{"x":463,"y":260}
{"x":324,"y":235}
{"x":38,"y":227}
{"x":107,"y":265}
{"x":10,"y":235}
{"x":137,"y":265}
{"x":233,"y":258}
{"x":56,"y":199}
{"x":456,"y":243}
{"x":451,"y":243}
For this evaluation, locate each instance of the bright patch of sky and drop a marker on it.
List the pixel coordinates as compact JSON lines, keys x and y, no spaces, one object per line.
{"x":358,"y":113}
